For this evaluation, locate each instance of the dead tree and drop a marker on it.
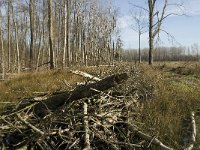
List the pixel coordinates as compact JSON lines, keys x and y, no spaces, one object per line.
{"x":50,"y":26}
{"x":17,"y":41}
{"x":140,"y":28}
{"x":156,"y":18}
{"x":9,"y":39}
{"x":2,"y":49}
{"x":32,"y":27}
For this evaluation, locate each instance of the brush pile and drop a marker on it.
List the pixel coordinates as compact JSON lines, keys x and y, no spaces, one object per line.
{"x":97,"y":115}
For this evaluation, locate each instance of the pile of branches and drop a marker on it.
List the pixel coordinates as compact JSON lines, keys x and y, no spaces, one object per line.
{"x":91,"y":116}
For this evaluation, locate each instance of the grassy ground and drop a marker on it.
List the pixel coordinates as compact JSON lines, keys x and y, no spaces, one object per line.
{"x":177,"y":93}
{"x":169,"y":92}
{"x":32,"y":84}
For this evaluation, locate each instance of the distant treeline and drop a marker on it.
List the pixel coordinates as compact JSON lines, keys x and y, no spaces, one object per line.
{"x":164,"y":54}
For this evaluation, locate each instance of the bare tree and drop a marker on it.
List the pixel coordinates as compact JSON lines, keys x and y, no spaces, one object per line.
{"x":68,"y":32}
{"x":195,"y":50}
{"x":65,"y":35}
{"x":17,"y":41}
{"x":32,"y":30}
{"x":156,"y":18}
{"x":78,"y":31}
{"x":2,"y":49}
{"x":8,"y":26}
{"x":50,"y":34}
{"x":139,"y":27}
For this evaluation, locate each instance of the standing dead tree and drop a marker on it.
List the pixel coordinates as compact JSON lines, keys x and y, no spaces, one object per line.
{"x":139,"y":27}
{"x":50,"y":26}
{"x":156,"y":18}
{"x":80,"y":33}
{"x":32,"y":22}
{"x":9,"y":39}
{"x":17,"y":41}
{"x":2,"y":49}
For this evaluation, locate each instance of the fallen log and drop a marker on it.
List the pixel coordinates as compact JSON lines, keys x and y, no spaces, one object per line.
{"x":189,"y":132}
{"x":42,"y":106}
{"x":52,"y":103}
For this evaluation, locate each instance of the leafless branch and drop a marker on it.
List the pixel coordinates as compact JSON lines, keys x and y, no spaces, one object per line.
{"x":137,"y":6}
{"x":147,"y":137}
{"x":30,"y":125}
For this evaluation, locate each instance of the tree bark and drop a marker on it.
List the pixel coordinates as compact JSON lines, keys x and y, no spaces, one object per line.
{"x":68,"y":32}
{"x":8,"y":26}
{"x":17,"y":43}
{"x":50,"y":26}
{"x":65,"y":36}
{"x":139,"y":49}
{"x":56,"y":101}
{"x":2,"y":49}
{"x":151,"y":37}
{"x":32,"y":30}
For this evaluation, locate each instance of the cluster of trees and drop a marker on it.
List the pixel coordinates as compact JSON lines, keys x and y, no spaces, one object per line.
{"x":164,"y":54}
{"x":58,"y":33}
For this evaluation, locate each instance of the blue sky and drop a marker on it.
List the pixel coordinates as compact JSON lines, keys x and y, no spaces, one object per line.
{"x":185,"y":29}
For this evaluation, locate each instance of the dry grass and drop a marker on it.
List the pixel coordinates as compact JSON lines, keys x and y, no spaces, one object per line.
{"x":181,"y":68}
{"x":174,"y":99}
{"x":170,"y":96}
{"x":31,"y":84}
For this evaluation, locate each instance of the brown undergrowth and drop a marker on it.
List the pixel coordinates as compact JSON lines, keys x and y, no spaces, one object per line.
{"x":161,"y":99}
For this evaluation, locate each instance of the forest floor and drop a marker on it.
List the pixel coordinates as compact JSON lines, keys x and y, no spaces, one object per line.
{"x":167,"y":93}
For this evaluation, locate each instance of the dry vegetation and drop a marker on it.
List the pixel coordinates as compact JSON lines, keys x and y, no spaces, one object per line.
{"x":158,"y":99}
{"x":32,"y":84}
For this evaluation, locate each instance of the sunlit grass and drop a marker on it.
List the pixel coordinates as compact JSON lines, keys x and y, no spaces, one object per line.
{"x":30,"y":84}
{"x":174,"y":95}
{"x":173,"y":100}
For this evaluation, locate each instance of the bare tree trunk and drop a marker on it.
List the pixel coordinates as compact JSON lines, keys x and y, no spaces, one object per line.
{"x":17,"y":43}
{"x":68,"y":32}
{"x":39,"y":51}
{"x":113,"y":53}
{"x":65,"y":36}
{"x":24,"y":43}
{"x":32,"y":30}
{"x":8,"y":25}
{"x":74,"y":37}
{"x":85,"y":56}
{"x":50,"y":34}
{"x":154,"y":28}
{"x":59,"y":41}
{"x":78,"y":35}
{"x":151,"y":37}
{"x":139,"y":49}
{"x":43,"y":33}
{"x":2,"y":50}
{"x":17,"y":48}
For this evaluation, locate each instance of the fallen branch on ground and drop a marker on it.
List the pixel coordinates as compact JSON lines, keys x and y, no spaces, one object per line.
{"x":189,"y":130}
{"x":86,"y":75}
{"x":146,"y":137}
{"x":56,"y":120}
